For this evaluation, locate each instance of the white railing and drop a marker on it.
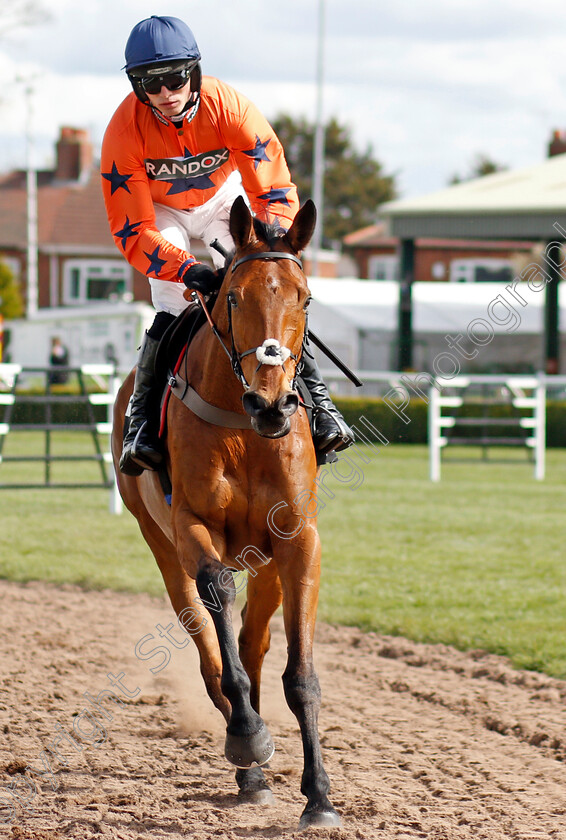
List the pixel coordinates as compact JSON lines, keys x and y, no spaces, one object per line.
{"x":106,"y":377}
{"x":522,"y":392}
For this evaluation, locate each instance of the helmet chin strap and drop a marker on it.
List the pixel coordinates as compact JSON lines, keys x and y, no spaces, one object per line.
{"x":193,"y":102}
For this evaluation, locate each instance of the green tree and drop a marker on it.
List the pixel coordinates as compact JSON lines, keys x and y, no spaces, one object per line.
{"x":481,"y":165}
{"x":11,"y":302}
{"x":354,"y":183}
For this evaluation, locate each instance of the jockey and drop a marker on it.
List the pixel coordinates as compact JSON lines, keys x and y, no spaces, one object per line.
{"x":175,"y":155}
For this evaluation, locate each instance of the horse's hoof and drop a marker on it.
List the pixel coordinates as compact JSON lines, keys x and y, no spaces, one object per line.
{"x":262,"y":796}
{"x":319,"y":819}
{"x":253,"y":787}
{"x":243,"y":751}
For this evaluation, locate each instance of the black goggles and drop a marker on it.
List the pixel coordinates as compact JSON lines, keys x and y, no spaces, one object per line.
{"x":172,"y":81}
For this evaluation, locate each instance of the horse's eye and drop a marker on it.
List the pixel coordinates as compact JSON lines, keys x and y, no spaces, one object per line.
{"x":231,"y":298}
{"x":307,"y":302}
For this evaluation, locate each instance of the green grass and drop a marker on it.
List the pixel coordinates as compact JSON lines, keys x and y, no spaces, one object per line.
{"x":476,"y":560}
{"x":68,"y":536}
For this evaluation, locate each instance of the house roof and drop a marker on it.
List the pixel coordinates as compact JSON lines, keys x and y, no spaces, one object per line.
{"x":374,"y":236}
{"x":70,"y":214}
{"x":370,"y":237}
{"x":519,"y":204}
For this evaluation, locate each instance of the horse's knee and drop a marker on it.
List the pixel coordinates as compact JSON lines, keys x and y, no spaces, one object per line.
{"x":301,"y":690}
{"x":215,"y":586}
{"x":235,"y":683}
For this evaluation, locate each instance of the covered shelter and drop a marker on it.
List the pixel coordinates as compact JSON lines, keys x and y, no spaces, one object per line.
{"x":524,"y":204}
{"x":358,"y":320}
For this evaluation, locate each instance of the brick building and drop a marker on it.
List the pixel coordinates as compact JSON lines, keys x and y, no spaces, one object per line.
{"x":375,"y":254}
{"x":78,"y":261}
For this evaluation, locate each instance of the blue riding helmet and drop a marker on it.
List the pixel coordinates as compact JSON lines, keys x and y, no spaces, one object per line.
{"x":161,"y":45}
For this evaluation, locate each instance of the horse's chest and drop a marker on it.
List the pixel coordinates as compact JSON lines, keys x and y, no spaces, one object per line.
{"x":245,"y":516}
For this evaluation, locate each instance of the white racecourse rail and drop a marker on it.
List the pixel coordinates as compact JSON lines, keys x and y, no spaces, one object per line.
{"x":106,"y":376}
{"x":398,"y":389}
{"x":524,"y":392}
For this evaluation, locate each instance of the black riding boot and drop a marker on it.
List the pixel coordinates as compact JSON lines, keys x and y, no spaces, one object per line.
{"x":330,"y":432}
{"x":140,"y":450}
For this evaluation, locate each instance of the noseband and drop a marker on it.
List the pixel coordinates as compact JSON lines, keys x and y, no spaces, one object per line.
{"x":268,"y":353}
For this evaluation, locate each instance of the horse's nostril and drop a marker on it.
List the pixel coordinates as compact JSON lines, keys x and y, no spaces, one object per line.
{"x":288,"y":404}
{"x":254,"y":404}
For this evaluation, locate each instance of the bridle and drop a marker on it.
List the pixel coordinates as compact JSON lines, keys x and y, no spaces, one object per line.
{"x":268,"y":353}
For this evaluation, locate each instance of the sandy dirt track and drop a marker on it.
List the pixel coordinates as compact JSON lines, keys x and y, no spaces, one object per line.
{"x":419,"y":741}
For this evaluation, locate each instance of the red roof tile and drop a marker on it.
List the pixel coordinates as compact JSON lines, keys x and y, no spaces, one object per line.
{"x":68,"y":214}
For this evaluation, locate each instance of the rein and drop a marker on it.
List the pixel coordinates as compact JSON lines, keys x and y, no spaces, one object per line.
{"x":268,"y":353}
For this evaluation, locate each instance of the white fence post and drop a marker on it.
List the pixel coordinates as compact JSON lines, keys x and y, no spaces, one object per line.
{"x":116,"y":504}
{"x":109,"y":398}
{"x":434,"y":436}
{"x":540,"y":434}
{"x":438,"y":422}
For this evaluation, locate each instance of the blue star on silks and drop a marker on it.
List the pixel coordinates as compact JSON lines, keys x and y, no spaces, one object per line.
{"x":127,"y":231}
{"x":258,"y":152}
{"x":117,"y":181}
{"x":199,"y":182}
{"x":276,"y":195}
{"x":155,"y":264}
{"x":179,"y":185}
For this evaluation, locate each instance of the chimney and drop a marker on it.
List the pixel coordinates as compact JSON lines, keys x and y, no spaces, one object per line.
{"x":557,"y":145}
{"x":74,"y":154}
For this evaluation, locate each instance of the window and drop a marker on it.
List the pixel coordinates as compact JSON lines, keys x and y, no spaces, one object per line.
{"x":383,"y":267}
{"x":481,"y":271}
{"x":87,"y":281}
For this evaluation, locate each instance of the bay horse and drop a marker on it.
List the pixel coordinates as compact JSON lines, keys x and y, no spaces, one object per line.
{"x":238,"y":500}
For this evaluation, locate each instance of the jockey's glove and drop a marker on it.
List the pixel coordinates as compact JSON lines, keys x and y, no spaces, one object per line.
{"x":202,"y":278}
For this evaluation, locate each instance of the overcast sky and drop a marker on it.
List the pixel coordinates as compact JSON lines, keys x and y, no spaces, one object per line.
{"x":428,"y":84}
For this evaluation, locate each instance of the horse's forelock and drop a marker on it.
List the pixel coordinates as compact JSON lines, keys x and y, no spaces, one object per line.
{"x":268,"y":232}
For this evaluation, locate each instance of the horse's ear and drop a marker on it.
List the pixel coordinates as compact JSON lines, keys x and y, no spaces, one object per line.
{"x":299,"y":234}
{"x":241,"y":226}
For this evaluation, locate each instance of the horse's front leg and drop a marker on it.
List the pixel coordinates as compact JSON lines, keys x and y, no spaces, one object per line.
{"x":299,"y":568}
{"x":247,"y":738}
{"x":264,"y":596}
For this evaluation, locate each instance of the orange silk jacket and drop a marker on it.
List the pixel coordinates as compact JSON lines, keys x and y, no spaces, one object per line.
{"x":147,"y":159}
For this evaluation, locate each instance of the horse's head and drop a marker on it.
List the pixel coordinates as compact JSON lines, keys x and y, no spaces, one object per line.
{"x":266,"y":296}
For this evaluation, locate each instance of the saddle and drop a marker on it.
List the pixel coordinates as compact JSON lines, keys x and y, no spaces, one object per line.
{"x":176,"y":338}
{"x":170,"y":350}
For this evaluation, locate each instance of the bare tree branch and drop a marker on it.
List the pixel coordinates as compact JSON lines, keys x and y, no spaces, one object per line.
{"x":15,"y":14}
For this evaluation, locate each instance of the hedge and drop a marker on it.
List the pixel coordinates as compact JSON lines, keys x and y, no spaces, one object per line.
{"x":382,"y":417}
{"x":378,"y":418}
{"x":61,"y":413}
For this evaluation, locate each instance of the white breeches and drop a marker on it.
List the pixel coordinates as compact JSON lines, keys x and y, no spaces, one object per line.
{"x":208,"y":222}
